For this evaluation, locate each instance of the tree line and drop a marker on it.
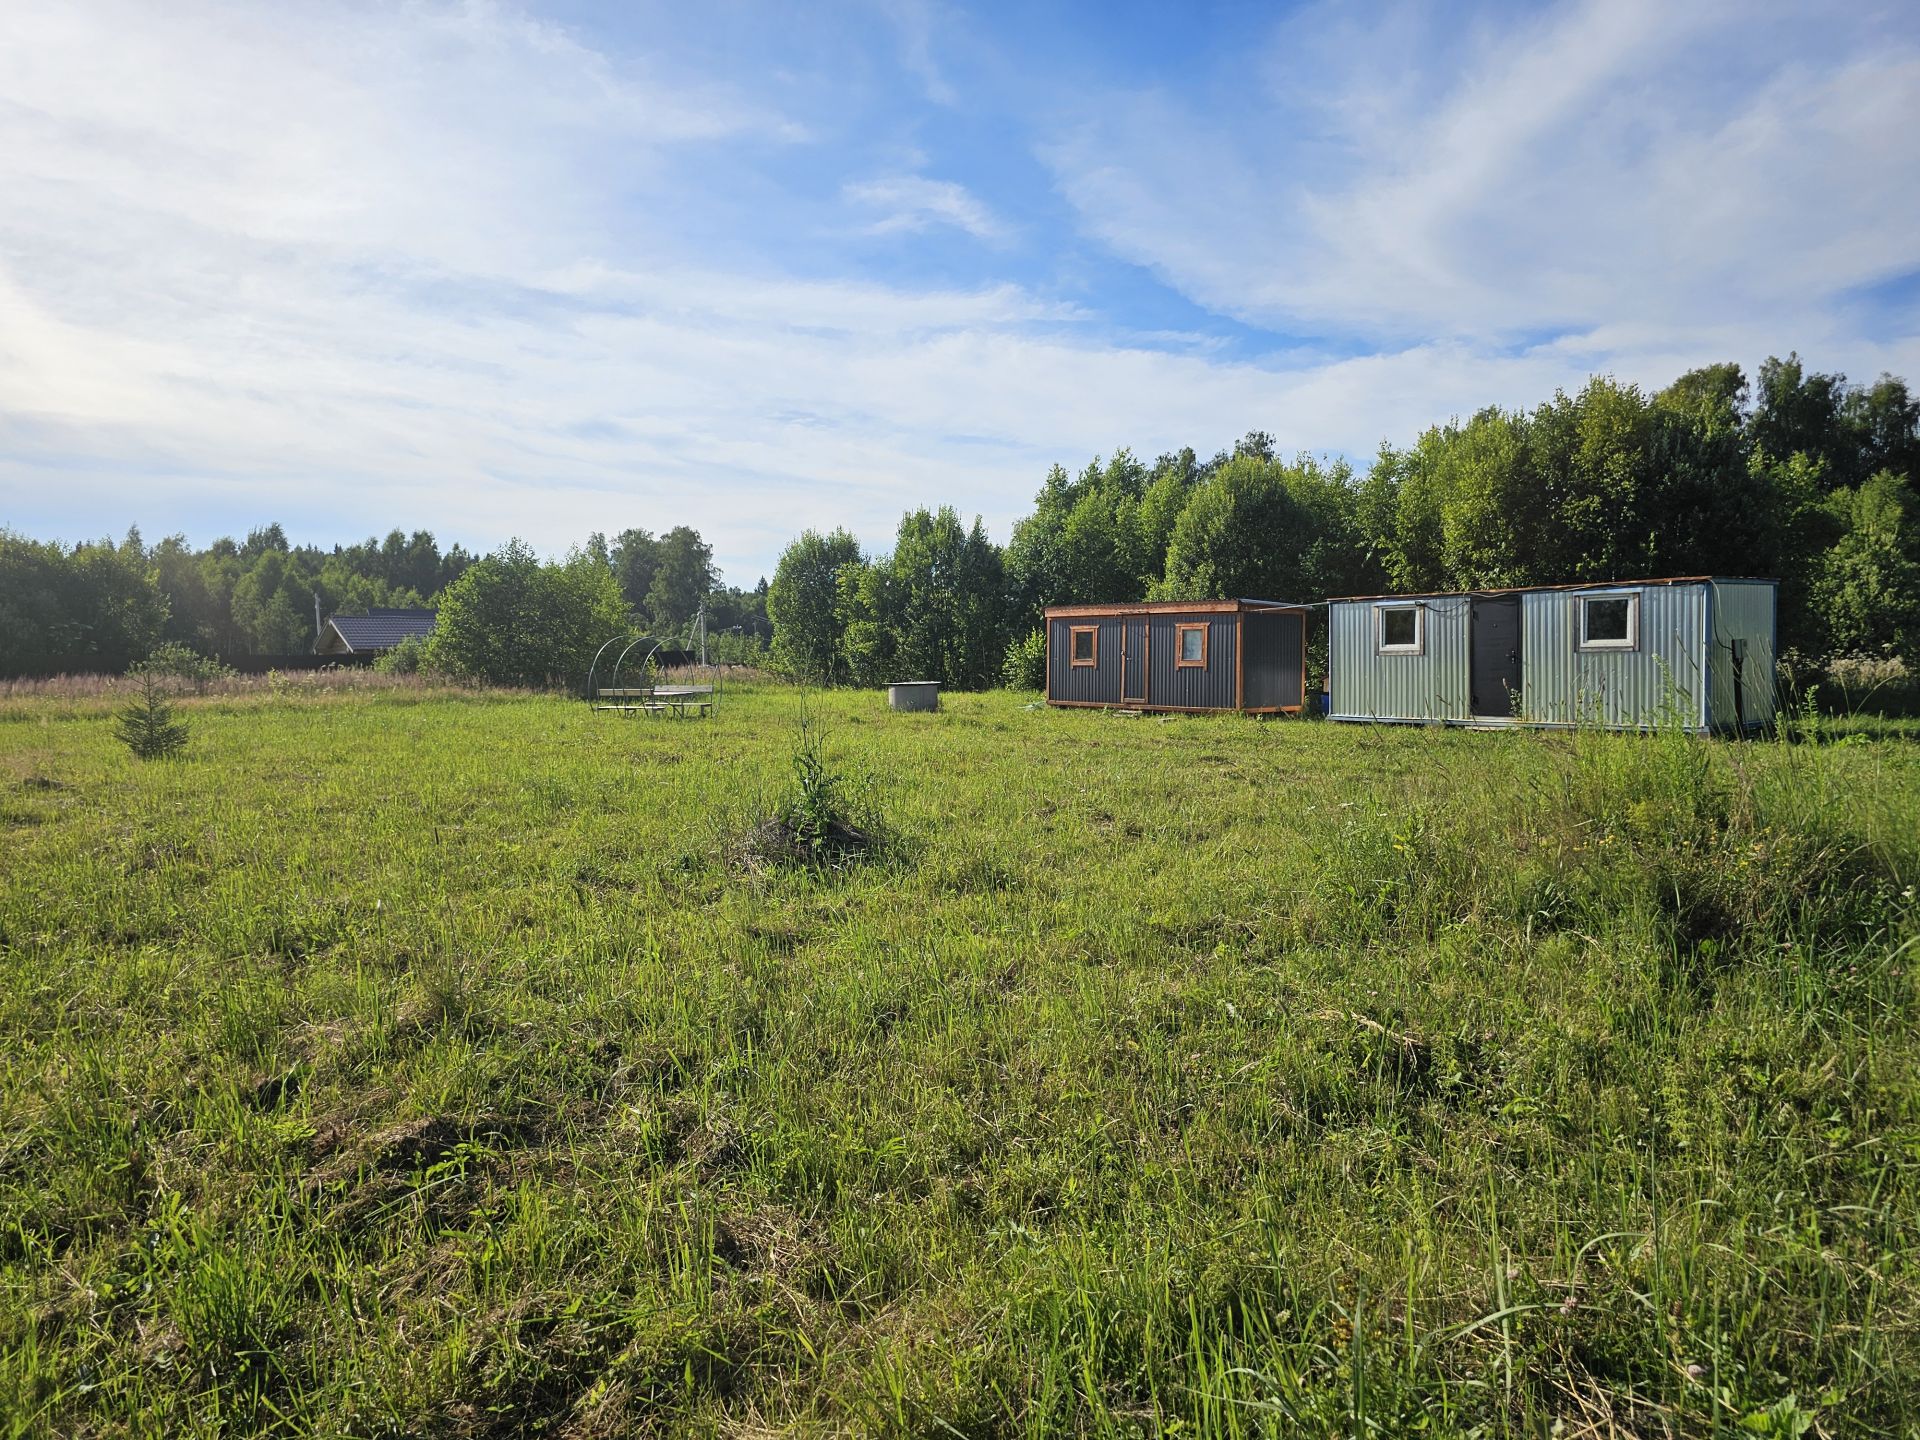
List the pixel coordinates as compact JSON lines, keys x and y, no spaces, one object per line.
{"x":1800,"y":476}
{"x":104,"y":605}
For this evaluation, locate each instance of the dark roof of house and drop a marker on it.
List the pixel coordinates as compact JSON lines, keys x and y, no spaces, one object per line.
{"x":382,"y":629}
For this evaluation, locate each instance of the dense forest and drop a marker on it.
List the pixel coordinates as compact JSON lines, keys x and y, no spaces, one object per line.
{"x":1799,"y":475}
{"x":102,"y":605}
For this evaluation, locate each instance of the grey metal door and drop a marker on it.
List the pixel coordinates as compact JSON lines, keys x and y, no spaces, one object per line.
{"x":1495,"y":656}
{"x":1133,"y":662}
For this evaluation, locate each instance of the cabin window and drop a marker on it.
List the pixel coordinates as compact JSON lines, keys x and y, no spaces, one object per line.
{"x":1190,"y":647}
{"x":1399,"y":629}
{"x":1610,"y":620}
{"x":1083,"y":646}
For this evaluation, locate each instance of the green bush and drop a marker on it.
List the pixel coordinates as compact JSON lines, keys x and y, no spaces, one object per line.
{"x":406,"y":658}
{"x":181,"y":662}
{"x":1025,"y":667}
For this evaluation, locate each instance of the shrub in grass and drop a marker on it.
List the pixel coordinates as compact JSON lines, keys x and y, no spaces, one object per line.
{"x":1025,"y":667}
{"x":406,"y":658}
{"x":147,"y":725}
{"x":826,"y":818}
{"x":181,"y":662}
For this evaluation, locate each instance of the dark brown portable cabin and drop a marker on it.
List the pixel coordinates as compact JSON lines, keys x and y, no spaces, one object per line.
{"x":1197,"y":655}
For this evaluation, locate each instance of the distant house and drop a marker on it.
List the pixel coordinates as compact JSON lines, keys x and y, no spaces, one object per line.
{"x":373,"y":633}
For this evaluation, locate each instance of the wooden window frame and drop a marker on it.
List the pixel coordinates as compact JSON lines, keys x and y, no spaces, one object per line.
{"x":1380,"y":645}
{"x":1180,"y":662}
{"x":1092,"y":662}
{"x":1603,"y":647}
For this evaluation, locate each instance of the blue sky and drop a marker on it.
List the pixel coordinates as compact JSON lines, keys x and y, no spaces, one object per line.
{"x":540,"y":270}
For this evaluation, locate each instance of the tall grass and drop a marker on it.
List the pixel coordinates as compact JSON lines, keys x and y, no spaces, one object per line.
{"x":430,"y":1067}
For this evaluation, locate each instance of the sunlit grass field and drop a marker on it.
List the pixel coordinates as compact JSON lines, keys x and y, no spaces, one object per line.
{"x":406,"y":1062}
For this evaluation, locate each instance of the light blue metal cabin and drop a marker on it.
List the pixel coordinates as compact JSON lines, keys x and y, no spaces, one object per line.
{"x":1697,"y":652}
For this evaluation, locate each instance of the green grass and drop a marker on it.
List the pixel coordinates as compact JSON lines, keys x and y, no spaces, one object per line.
{"x":416,"y":1063}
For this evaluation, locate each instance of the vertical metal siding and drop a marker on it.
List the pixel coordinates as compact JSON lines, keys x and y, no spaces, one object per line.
{"x":1098,"y":685}
{"x":1744,"y":610}
{"x":1664,"y":677}
{"x":1433,"y":685}
{"x":1211,"y":688}
{"x":1274,"y":660}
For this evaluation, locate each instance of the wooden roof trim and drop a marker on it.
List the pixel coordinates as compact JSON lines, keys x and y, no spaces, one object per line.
{"x":1173,"y":607}
{"x":1577,"y":585}
{"x":339,"y":635}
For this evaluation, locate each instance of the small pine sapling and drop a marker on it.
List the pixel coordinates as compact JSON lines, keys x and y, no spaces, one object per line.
{"x":147,"y":726}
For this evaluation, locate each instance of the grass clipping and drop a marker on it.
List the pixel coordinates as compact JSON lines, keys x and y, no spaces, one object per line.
{"x":826,"y":819}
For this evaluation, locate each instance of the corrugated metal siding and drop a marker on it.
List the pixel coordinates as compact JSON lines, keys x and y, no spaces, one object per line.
{"x":1665,"y":676}
{"x":1433,"y":685}
{"x":1099,"y":684}
{"x":1211,"y":688}
{"x":1273,"y":660}
{"x":1744,"y":610}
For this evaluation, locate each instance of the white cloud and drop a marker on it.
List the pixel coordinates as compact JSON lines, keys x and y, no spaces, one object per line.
{"x":914,"y":202}
{"x":448,"y":266}
{"x":1561,"y":172}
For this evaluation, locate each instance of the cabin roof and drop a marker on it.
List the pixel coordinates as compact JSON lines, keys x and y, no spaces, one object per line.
{"x":1577,"y":585}
{"x":383,"y":628}
{"x":1173,"y":607}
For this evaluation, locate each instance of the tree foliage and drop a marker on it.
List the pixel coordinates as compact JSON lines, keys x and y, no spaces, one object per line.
{"x":1263,"y":529}
{"x":101,"y":605}
{"x":94,"y":606}
{"x":513,"y":619}
{"x":803,"y":603}
{"x":1800,"y":476}
{"x":931,"y":610}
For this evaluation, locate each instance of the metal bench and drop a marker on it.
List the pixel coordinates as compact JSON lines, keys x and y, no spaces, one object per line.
{"x":627,"y":699}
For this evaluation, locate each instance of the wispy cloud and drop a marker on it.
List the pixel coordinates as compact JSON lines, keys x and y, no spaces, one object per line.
{"x":914,"y":202}
{"x":1559,"y":171}
{"x":913,"y":23}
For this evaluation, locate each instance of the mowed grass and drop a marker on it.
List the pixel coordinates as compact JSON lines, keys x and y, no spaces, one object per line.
{"x":411,"y":1063}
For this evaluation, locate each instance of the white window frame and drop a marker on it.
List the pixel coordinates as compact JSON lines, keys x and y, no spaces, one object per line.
{"x":1580,"y":640}
{"x":1380,"y":645}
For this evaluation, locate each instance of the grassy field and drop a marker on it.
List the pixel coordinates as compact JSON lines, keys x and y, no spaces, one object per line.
{"x":410,"y":1062}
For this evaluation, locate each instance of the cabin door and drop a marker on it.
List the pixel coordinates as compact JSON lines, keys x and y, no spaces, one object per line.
{"x":1494,"y":657}
{"x":1133,"y":661}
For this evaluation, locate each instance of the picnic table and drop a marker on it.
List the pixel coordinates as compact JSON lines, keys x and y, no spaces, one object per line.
{"x":655,"y":699}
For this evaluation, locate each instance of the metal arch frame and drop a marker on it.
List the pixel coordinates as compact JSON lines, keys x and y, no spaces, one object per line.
{"x":716,"y":671}
{"x":594,"y":669}
{"x":637,"y":640}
